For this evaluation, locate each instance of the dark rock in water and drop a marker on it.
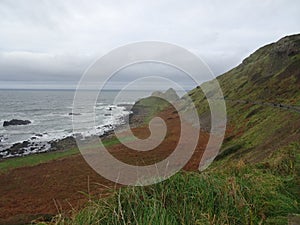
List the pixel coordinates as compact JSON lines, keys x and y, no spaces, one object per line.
{"x":39,"y":135}
{"x":14,"y":122}
{"x":74,"y":114}
{"x":107,"y":114}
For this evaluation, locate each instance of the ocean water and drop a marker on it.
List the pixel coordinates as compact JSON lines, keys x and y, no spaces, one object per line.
{"x":49,"y":113}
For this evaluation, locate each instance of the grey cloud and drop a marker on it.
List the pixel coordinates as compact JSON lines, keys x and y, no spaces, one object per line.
{"x":43,"y":42}
{"x":22,"y":66}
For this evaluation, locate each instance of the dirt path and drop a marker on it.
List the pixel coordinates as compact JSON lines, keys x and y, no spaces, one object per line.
{"x":294,"y":108}
{"x":53,"y":187}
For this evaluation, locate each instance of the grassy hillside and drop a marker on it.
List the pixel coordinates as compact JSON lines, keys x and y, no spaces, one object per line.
{"x":262,"y":97}
{"x":146,"y":108}
{"x":254,"y":180}
{"x":235,"y":194}
{"x":271,"y":74}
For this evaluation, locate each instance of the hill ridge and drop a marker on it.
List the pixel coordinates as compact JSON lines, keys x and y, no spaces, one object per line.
{"x":256,"y":93}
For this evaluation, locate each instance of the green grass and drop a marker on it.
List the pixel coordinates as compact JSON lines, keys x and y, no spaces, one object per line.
{"x":153,"y":105}
{"x":36,"y":159}
{"x":237,"y":194}
{"x":263,"y":77}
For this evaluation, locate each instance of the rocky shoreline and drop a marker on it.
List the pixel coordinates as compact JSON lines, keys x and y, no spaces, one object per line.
{"x":31,"y":146}
{"x":136,"y":117}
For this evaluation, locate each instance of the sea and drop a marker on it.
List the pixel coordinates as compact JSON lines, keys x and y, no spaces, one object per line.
{"x":51,"y":113}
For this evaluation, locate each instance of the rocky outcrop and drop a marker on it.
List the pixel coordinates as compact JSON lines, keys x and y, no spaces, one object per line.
{"x":170,"y":95}
{"x":15,"y":122}
{"x":18,"y":148}
{"x":287,"y":46}
{"x":63,"y":144}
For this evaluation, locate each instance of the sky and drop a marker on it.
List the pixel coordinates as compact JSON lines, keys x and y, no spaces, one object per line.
{"x":49,"y":44}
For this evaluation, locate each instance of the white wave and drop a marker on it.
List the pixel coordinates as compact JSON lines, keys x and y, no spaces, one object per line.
{"x":39,"y":141}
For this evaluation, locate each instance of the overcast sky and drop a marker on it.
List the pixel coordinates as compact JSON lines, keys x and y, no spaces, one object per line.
{"x":49,"y":44}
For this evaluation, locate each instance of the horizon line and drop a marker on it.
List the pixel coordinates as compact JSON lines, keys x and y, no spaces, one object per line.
{"x":74,"y":89}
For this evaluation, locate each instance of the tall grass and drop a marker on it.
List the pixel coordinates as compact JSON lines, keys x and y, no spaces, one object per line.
{"x":237,"y":194}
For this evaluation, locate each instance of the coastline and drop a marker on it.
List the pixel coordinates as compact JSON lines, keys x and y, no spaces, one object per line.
{"x":31,"y":147}
{"x":44,"y":178}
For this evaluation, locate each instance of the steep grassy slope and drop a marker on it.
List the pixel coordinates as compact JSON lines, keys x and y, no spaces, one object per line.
{"x":262,"y":97}
{"x":270,"y":74}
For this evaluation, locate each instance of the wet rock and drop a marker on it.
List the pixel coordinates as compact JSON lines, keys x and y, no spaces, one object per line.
{"x":18,"y":148}
{"x":63,"y":144}
{"x":15,"y":122}
{"x":74,"y":114}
